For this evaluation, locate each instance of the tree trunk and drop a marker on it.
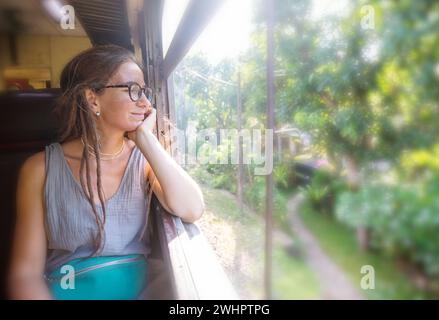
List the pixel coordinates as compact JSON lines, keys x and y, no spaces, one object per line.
{"x":363,"y":238}
{"x":353,"y":179}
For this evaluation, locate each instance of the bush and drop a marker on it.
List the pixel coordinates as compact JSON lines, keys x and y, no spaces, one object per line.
{"x":254,"y":195}
{"x":284,"y":176}
{"x":216,"y":176}
{"x":403,"y":219}
{"x":281,"y":173}
{"x":322,"y":191}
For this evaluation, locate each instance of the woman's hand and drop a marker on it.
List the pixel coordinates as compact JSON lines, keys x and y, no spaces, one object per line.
{"x":147,"y":125}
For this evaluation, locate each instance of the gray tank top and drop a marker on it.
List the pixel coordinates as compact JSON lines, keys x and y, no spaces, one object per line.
{"x":69,"y":219}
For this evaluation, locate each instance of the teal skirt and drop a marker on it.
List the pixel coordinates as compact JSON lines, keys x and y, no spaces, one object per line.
{"x":99,"y":278}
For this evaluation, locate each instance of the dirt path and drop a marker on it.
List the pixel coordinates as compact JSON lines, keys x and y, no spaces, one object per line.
{"x":333,"y":281}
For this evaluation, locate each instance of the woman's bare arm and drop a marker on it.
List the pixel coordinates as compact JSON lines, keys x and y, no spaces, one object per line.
{"x":174,"y":188}
{"x":29,"y":245}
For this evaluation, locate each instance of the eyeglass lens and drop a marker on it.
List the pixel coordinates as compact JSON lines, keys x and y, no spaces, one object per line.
{"x":136,"y":92}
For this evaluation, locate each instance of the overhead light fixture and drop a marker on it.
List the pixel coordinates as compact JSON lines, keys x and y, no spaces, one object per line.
{"x":53,"y":8}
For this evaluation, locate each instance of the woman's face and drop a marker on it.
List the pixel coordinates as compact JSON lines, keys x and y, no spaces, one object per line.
{"x":117,"y":110}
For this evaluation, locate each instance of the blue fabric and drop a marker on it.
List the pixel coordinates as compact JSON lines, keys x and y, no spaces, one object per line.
{"x":99,"y":278}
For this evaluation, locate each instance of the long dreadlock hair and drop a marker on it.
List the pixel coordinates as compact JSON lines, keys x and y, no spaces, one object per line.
{"x":91,"y":69}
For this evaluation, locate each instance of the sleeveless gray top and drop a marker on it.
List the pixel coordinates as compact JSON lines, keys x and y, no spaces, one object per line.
{"x":69,"y":220}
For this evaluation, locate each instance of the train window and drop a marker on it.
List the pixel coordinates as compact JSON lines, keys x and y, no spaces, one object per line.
{"x":205,"y":90}
{"x":354,"y":136}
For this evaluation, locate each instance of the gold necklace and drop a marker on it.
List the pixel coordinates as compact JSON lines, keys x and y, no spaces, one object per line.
{"x":107,"y":156}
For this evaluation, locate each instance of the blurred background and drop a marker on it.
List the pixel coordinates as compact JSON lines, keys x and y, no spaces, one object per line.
{"x":356,"y":149}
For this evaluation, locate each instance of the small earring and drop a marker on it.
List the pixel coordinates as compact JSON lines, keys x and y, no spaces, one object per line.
{"x":98,"y":113}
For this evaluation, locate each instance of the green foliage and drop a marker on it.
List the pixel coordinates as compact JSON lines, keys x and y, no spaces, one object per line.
{"x":254,"y":195}
{"x":322,"y":190}
{"x":284,"y":176}
{"x":215,"y":176}
{"x":339,"y":242}
{"x":403,"y":219}
{"x":205,"y":93}
{"x":418,"y":163}
{"x":367,"y":207}
{"x":363,"y":95}
{"x":280,"y":175}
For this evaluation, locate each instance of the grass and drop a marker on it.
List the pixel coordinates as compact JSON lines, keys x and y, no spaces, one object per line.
{"x":339,"y":242}
{"x":292,"y":278}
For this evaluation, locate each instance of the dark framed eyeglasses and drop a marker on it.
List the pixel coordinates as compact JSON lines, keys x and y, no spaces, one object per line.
{"x":135,"y":90}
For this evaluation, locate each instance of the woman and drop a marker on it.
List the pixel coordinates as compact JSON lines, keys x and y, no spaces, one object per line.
{"x":82,"y":204}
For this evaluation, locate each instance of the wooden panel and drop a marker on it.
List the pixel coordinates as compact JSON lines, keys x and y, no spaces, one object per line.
{"x":27,"y":73}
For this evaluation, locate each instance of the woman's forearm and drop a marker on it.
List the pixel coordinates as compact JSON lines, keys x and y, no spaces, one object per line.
{"x":28,"y":289}
{"x":182,"y":194}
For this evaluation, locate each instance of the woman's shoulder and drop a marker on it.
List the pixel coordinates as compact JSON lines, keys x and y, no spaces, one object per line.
{"x":33,"y":167}
{"x":72,"y":149}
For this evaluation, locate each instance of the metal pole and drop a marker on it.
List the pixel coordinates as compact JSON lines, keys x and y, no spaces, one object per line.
{"x":269,"y":177}
{"x":240,"y":169}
